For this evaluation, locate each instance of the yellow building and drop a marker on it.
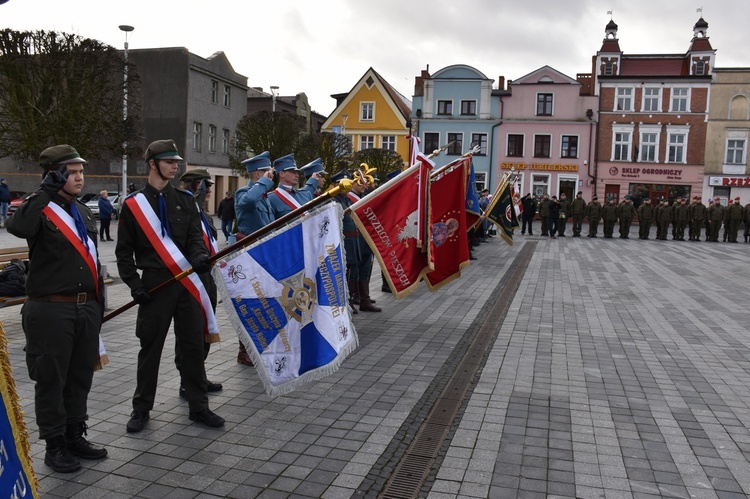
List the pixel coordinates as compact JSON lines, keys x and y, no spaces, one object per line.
{"x":373,"y":115}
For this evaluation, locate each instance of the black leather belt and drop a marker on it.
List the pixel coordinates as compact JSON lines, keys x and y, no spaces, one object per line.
{"x":77,"y":298}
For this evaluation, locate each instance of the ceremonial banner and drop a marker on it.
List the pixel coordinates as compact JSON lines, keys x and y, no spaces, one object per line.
{"x":517,"y":206}
{"x":17,"y":477}
{"x":448,"y":244}
{"x":473,"y":212}
{"x":388,"y":219}
{"x":287,"y":299}
{"x":502,"y":212}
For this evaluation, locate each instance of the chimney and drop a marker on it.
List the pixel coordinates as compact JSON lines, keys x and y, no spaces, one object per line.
{"x":501,"y":82}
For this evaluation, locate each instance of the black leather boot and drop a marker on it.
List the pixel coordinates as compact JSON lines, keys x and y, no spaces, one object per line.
{"x":353,"y":285}
{"x":79,"y":446}
{"x":58,"y":458}
{"x":365,"y":304}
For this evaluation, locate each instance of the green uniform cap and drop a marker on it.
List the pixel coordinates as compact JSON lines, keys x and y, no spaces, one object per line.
{"x":162,"y":149}
{"x":59,"y":155}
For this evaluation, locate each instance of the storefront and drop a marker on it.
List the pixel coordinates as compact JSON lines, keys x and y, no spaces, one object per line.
{"x":545,"y":178}
{"x":667,"y":181}
{"x":726,"y":187}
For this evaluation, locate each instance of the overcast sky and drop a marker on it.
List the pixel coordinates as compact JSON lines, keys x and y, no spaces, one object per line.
{"x":322,"y":47}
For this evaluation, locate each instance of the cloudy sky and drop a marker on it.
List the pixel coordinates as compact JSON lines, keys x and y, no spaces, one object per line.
{"x":322,"y":47}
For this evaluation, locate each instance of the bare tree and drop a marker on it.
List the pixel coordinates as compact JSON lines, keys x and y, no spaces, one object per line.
{"x":384,"y":160}
{"x":277,"y":133}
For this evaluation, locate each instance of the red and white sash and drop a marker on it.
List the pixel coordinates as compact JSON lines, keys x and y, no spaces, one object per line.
{"x":172,"y":257}
{"x":67,"y":226}
{"x":211,"y":243}
{"x":287,"y":198}
{"x":352,"y":197}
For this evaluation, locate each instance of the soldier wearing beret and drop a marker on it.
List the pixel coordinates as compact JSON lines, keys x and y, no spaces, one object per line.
{"x":160,"y":234}
{"x":544,"y":213}
{"x":680,"y":215}
{"x":625,"y":213}
{"x":715,"y":217}
{"x":564,"y":213}
{"x":62,"y":316}
{"x":645,"y":218}
{"x":577,"y":213}
{"x":288,"y":196}
{"x":594,"y":214}
{"x":663,"y":219}
{"x":697,"y":216}
{"x":609,"y":216}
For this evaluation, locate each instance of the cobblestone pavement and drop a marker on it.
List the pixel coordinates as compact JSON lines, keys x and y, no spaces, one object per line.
{"x":617,"y":368}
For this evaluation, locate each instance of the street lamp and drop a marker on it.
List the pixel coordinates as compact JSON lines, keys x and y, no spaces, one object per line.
{"x":274,"y":90}
{"x":126,"y":29}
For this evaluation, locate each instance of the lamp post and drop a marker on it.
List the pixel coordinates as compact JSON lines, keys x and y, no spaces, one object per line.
{"x":126,"y":29}
{"x":274,"y":90}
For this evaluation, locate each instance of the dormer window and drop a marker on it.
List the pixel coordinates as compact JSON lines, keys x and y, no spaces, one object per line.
{"x":609,"y":68}
{"x":700,"y":68}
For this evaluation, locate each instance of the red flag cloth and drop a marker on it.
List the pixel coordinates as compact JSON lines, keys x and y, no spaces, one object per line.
{"x":387,"y":218}
{"x":449,"y":246}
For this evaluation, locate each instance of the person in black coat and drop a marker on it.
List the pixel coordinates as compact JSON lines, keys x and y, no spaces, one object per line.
{"x":529,"y":210}
{"x":554,"y":216}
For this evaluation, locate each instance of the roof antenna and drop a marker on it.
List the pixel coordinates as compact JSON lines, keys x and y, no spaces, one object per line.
{"x":610,"y":14}
{"x":700,"y":10}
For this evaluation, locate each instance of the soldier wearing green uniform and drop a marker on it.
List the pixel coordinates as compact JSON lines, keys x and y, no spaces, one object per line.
{"x":645,"y":218}
{"x":736,"y":214}
{"x":544,"y":213}
{"x":609,"y":215}
{"x":747,"y":222}
{"x":62,"y":316}
{"x":697,"y":216}
{"x":564,"y":214}
{"x":577,"y":213}
{"x":680,"y":214}
{"x":715,"y":218}
{"x":663,"y":218}
{"x":594,"y":214}
{"x":625,"y":213}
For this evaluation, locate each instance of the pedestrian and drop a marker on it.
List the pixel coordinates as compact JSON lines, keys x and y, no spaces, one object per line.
{"x":543,"y":207}
{"x":645,"y":218}
{"x":594,"y":214}
{"x":160,"y":234}
{"x":62,"y":316}
{"x":554,"y":216}
{"x":577,"y":213}
{"x":562,"y":218}
{"x":288,"y":196}
{"x":105,"y":216}
{"x":625,"y":214}
{"x":4,"y":201}
{"x":609,"y":216}
{"x":226,"y":213}
{"x":529,"y":211}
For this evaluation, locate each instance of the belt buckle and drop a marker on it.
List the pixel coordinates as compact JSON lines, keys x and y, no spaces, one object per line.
{"x":81,"y":298}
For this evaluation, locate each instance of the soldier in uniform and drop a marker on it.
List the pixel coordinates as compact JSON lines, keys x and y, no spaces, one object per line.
{"x":747,"y":222}
{"x":544,"y":213}
{"x":708,"y":221}
{"x":62,"y":316}
{"x":288,"y":196}
{"x":156,"y":222}
{"x":527,"y":215}
{"x":314,"y":166}
{"x":736,"y":214}
{"x":253,"y":211}
{"x":199,"y":183}
{"x":726,"y":219}
{"x":697,"y":216}
{"x":564,"y":214}
{"x":594,"y":214}
{"x":715,"y":217}
{"x":609,"y":216}
{"x":578,"y":213}
{"x":625,"y":213}
{"x":680,"y":213}
{"x":351,"y":235}
{"x":645,"y":218}
{"x":663,"y":218}
{"x":554,"y":216}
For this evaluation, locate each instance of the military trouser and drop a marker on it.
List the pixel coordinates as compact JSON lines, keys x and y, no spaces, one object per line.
{"x":62,"y":349}
{"x":663,"y":230}
{"x":577,"y":224}
{"x":747,"y":231}
{"x":543,"y":218}
{"x":152,"y":326}
{"x":625,"y":227}
{"x":695,"y":230}
{"x":561,"y":222}
{"x":593,"y":226}
{"x":680,"y":230}
{"x":715,"y":229}
{"x":609,"y":227}
{"x":734,"y":228}
{"x":644,"y":228}
{"x":210,"y":285}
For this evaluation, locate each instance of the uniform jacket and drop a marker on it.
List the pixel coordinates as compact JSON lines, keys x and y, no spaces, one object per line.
{"x":252,"y":207}
{"x":609,"y":212}
{"x":625,"y":211}
{"x":646,"y":211}
{"x":578,"y":207}
{"x":697,"y":211}
{"x":594,"y":211}
{"x":544,"y":207}
{"x":279,"y":208}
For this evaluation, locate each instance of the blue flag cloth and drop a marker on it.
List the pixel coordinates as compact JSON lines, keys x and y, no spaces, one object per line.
{"x":286,"y":296}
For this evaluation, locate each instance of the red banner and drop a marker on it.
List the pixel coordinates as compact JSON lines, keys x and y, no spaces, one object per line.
{"x":388,"y":218}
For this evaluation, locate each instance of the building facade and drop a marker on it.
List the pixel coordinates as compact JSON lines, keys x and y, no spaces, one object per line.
{"x":653,"y":112}
{"x":258,"y":100}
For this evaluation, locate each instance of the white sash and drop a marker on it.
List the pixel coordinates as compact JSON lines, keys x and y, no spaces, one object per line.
{"x":287,"y":198}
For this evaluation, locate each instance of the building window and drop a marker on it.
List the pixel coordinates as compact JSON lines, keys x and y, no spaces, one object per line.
{"x":227,"y":95}
{"x":608,"y":68}
{"x":388,"y":142}
{"x":621,"y":146}
{"x":624,"y":99}
{"x":197,"y":136}
{"x":540,"y":185}
{"x":479,"y":139}
{"x":214,"y":92}
{"x":445,"y":107}
{"x":736,"y":152}
{"x":515,"y":145}
{"x":367,"y":111}
{"x":700,"y":68}
{"x":366,"y":142}
{"x":480,"y":181}
{"x":431,"y":142}
{"x":569,"y":146}
{"x":676,"y":148}
{"x":544,"y":104}
{"x":649,"y":147}
{"x":680,"y":98}
{"x":651,"y":99}
{"x":542,"y":145}
{"x":211,"y":138}
{"x":468,"y":107}
{"x":455,"y":144}
{"x":225,"y":141}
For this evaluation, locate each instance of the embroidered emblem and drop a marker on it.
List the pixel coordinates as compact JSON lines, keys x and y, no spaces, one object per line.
{"x":409,"y":230}
{"x":323,"y":227}
{"x":299,"y":297}
{"x":279,"y":366}
{"x":235,"y":273}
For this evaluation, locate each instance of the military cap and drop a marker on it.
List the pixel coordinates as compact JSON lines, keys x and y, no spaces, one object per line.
{"x":737,"y":198}
{"x":162,"y":149}
{"x":579,"y":192}
{"x":341,"y":175}
{"x":285,"y":163}
{"x":627,"y":197}
{"x":197,"y":174}
{"x":646,"y":199}
{"x":314,"y":166}
{"x":59,"y":155}
{"x":260,"y":162}
{"x":595,"y":198}
{"x":392,"y":174}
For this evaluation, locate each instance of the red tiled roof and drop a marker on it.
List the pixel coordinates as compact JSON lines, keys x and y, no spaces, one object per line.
{"x":610,"y":46}
{"x":660,"y":66}
{"x":700,"y":44}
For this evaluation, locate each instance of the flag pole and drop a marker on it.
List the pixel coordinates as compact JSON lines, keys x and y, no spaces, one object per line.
{"x":344,"y":186}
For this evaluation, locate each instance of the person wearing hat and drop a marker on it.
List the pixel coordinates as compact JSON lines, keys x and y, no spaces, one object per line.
{"x":696,"y":216}
{"x":562,"y":218}
{"x":62,"y":315}
{"x":527,"y":215}
{"x":680,"y":219}
{"x":577,"y":213}
{"x":736,"y":213}
{"x":645,"y":218}
{"x":663,"y":219}
{"x":609,"y":217}
{"x":199,"y":183}
{"x":625,"y":214}
{"x":159,"y":235}
{"x":594,"y":214}
{"x":747,"y":222}
{"x":4,"y":201}
{"x":314,"y":166}
{"x":543,"y":208}
{"x":553,"y":208}
{"x":352,"y":240}
{"x":288,"y":196}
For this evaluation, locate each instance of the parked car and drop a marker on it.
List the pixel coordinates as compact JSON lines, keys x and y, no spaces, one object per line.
{"x":17,"y":194}
{"x":93,"y":202}
{"x":15,"y":203}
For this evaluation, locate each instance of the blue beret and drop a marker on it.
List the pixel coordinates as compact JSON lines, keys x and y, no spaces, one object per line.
{"x":260,"y":162}
{"x":315,"y":166}
{"x":285,"y":163}
{"x":341,"y":175}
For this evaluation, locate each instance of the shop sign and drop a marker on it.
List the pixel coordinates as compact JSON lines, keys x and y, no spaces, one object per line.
{"x":729,"y":181}
{"x":631,"y":172}
{"x":540,"y":166}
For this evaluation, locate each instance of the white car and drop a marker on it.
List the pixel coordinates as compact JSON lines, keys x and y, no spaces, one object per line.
{"x":93,"y":203}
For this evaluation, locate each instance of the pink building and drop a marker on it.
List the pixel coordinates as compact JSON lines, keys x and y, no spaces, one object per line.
{"x":547,"y":131}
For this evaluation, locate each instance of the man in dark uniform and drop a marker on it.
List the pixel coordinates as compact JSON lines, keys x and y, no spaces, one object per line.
{"x":680,"y":213}
{"x":663,"y":218}
{"x":527,"y":215}
{"x":715,"y":217}
{"x":351,"y":236}
{"x":645,"y":218}
{"x":594,"y":214}
{"x":158,"y":223}
{"x":609,"y":216}
{"x":577,"y":213}
{"x":747,"y":222}
{"x":544,"y":213}
{"x":562,"y":218}
{"x":697,"y":216}
{"x":625,"y":213}
{"x":553,"y":208}
{"x":62,"y":316}
{"x":736,"y":214}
